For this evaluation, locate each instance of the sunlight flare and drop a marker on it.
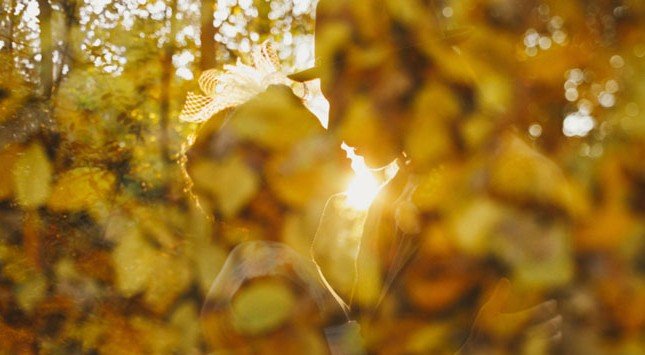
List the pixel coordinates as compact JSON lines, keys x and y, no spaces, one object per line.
{"x":364,"y":186}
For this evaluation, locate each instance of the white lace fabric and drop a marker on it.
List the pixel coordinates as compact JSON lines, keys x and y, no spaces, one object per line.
{"x":237,"y":84}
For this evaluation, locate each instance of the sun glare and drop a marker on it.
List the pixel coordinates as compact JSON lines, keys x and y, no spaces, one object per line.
{"x":361,"y":191}
{"x":364,"y":186}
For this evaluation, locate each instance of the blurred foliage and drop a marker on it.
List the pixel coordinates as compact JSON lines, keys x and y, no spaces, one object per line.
{"x":524,"y":123}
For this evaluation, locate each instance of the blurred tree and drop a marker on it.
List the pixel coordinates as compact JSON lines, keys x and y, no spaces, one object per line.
{"x":207,"y":36}
{"x":46,"y":49}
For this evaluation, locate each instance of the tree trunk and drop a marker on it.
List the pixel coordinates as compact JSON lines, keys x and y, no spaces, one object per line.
{"x":166,"y":83}
{"x":207,"y":36}
{"x":66,"y":49}
{"x":46,"y":49}
{"x":12,"y":8}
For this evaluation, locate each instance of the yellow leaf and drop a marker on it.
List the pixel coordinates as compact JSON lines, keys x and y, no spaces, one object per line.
{"x":169,"y":278}
{"x":438,"y":189}
{"x":522,"y":173}
{"x":81,"y":188}
{"x":32,"y":175}
{"x":231,"y":183}
{"x":30,"y":293}
{"x":473,"y":224}
{"x":262,"y":306}
{"x":134,"y":262}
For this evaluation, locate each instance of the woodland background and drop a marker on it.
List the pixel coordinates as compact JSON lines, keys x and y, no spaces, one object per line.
{"x":530,"y":157}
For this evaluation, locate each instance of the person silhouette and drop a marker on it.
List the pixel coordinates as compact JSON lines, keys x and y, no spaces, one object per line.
{"x":365,"y":52}
{"x":387,"y":83}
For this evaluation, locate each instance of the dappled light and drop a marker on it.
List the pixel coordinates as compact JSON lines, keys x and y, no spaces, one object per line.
{"x":322,"y":177}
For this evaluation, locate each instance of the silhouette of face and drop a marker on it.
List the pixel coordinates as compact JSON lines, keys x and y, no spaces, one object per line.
{"x":372,"y":71}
